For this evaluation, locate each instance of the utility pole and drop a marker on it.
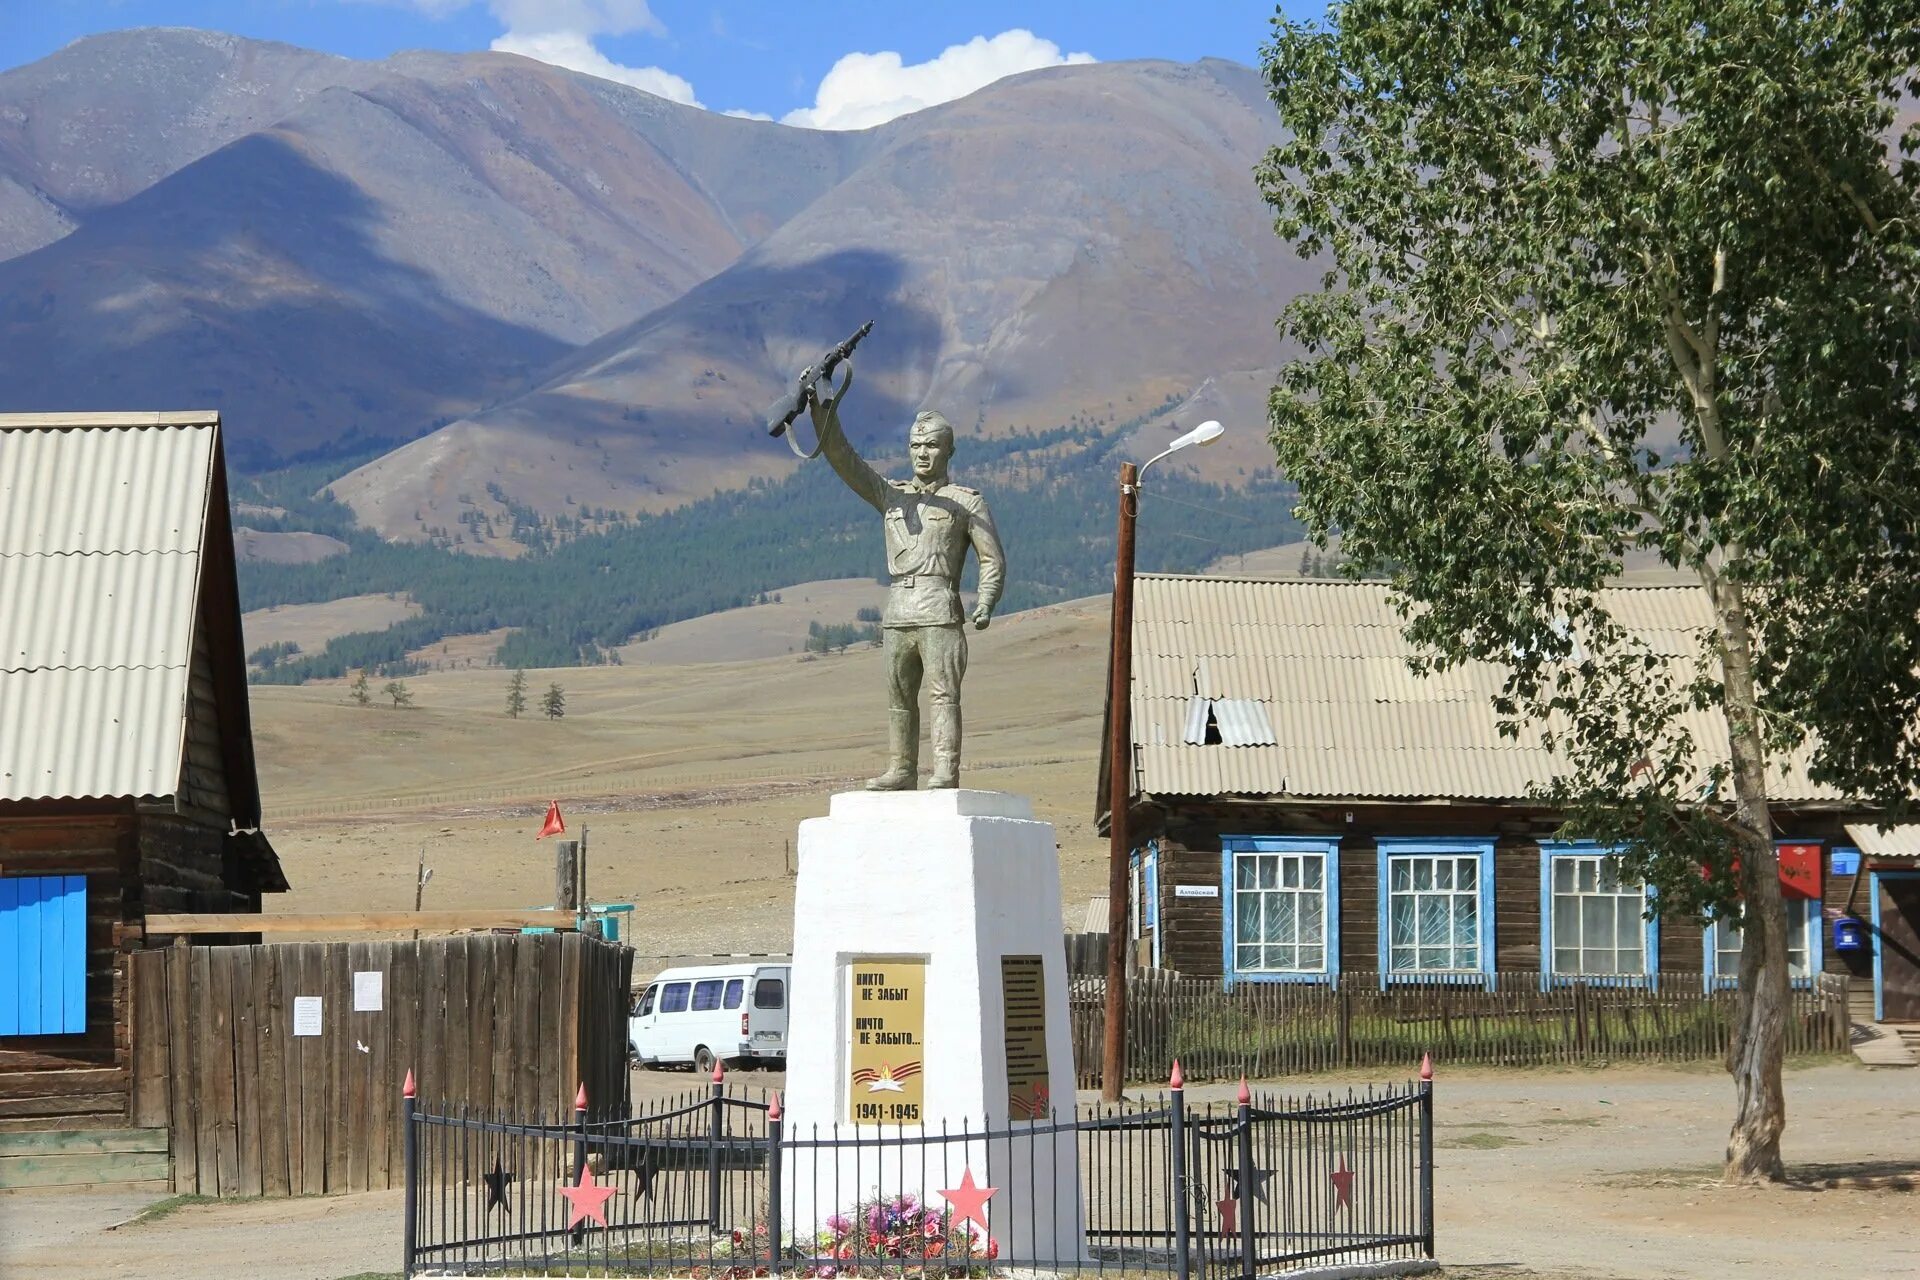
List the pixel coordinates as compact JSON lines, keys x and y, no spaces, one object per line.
{"x":1113,"y":1057}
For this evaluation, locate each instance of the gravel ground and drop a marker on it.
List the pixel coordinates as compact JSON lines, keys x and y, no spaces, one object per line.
{"x":1542,"y":1175}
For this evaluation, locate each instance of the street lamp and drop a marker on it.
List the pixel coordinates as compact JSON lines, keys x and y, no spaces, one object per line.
{"x":1113,"y":1059}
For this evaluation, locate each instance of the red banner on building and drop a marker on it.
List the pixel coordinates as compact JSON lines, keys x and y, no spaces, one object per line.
{"x":1800,"y":870}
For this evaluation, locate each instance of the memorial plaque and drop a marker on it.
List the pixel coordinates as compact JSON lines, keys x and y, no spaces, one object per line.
{"x":1023,"y":997}
{"x":886,"y":1030}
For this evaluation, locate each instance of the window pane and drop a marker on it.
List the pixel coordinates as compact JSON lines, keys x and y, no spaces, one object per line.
{"x":1443,"y":874}
{"x":1566,"y":960}
{"x":1597,"y":960}
{"x":1563,"y":875}
{"x":1466,"y":922}
{"x":1434,"y":926}
{"x":769,"y":993}
{"x":1596,"y":922}
{"x":1313,"y":959}
{"x":1432,"y":958}
{"x":706,"y":995}
{"x":1313,"y":868}
{"x":1243,"y":872}
{"x":1566,"y":922}
{"x":1282,"y":918}
{"x":1467,"y":875}
{"x":736,"y":988}
{"x":1400,"y":921}
{"x":1589,"y":874}
{"x":1313,"y":918}
{"x":1423,"y":873}
{"x":673,"y":998}
{"x":1246,"y":959}
{"x":1269,"y":873}
{"x":1402,"y":874}
{"x":1290,"y":873}
{"x":1246,"y":916}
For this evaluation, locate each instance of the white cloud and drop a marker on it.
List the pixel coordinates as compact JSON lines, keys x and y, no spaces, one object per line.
{"x":866,"y":89}
{"x":562,"y":32}
{"x":576,"y":52}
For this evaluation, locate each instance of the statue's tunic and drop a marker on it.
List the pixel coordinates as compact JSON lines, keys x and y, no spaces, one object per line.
{"x":928,"y":529}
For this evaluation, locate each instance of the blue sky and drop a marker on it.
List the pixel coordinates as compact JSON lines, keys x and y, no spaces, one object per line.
{"x":827,"y":63}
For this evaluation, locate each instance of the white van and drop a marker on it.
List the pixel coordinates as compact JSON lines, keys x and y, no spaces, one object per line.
{"x":707,"y":1013}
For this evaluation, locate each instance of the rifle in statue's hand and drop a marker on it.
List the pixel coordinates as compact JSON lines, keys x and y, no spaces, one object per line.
{"x":806,"y":390}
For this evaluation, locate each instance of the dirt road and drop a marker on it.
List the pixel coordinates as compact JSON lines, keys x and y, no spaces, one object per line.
{"x":1594,"y":1175}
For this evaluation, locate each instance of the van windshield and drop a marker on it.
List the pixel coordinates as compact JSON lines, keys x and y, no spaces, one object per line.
{"x":673,"y":998}
{"x":646,"y":1002}
{"x":769,"y":993}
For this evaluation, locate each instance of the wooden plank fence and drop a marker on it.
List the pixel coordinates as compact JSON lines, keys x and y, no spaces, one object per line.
{"x":1262,"y":1029}
{"x":513,"y":1021}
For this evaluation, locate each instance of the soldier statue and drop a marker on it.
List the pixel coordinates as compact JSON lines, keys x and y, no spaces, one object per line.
{"x":929,"y":522}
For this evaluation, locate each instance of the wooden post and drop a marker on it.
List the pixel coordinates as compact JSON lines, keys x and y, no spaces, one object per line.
{"x":1113,"y":1058}
{"x":566,"y":876}
{"x":580,"y":898}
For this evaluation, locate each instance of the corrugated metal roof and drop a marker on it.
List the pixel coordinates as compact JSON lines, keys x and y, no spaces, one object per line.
{"x":101,"y":519}
{"x":1899,"y":840}
{"x":1316,"y":675}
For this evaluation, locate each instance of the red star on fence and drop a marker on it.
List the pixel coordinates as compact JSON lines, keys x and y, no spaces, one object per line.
{"x":1228,"y":1222}
{"x":588,"y":1198}
{"x":1342,"y":1185}
{"x":969,"y":1200}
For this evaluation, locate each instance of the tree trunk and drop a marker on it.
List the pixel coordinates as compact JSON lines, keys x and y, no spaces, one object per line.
{"x":1760,"y":1012}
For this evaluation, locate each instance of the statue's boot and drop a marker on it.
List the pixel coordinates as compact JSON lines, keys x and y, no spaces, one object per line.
{"x":946,"y":747}
{"x":903,"y":735}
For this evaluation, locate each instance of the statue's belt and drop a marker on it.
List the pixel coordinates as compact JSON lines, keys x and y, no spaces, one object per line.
{"x":911,"y":579}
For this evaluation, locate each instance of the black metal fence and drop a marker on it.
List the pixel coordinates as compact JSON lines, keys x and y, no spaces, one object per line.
{"x":720,"y":1185}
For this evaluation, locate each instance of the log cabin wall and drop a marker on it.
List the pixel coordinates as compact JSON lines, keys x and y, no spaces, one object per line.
{"x":53,"y":1081}
{"x":1189,"y":837}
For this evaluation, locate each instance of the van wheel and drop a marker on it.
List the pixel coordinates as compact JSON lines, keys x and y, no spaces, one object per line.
{"x":703,"y":1060}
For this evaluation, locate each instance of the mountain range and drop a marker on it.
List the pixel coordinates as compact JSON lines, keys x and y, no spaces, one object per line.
{"x":497,"y":284}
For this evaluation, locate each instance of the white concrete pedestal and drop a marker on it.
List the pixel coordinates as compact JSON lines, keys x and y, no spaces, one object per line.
{"x":960,"y":880}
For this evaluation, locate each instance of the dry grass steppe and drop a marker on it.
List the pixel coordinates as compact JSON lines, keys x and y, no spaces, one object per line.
{"x":692,"y":777}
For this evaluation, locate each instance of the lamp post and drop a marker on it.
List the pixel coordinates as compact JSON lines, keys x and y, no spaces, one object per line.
{"x":1113,"y":1058}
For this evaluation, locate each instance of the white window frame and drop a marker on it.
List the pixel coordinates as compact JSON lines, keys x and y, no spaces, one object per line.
{"x":1478,"y":852}
{"x":1233,"y":848}
{"x":1806,"y":910}
{"x":1552,"y":851}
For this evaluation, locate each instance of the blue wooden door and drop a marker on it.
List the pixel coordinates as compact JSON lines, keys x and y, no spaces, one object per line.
{"x":43,"y":955}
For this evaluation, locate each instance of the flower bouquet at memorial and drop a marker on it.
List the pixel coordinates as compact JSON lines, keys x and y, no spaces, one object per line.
{"x":900,"y":1236}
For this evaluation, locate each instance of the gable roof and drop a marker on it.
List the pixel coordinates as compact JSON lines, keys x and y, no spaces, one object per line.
{"x":1309,"y":694}
{"x":115,"y":541}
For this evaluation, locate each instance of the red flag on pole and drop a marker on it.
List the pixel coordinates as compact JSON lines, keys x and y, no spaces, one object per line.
{"x":555,"y":825}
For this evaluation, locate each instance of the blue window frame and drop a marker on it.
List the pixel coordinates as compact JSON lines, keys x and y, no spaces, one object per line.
{"x":1594,"y":926}
{"x":1805,"y":951}
{"x":1280,"y":900}
{"x":43,"y":955}
{"x":1436,"y":908}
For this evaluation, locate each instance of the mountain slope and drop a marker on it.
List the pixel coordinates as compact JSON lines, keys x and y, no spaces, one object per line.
{"x":1080,"y":241}
{"x":108,"y":116}
{"x":391,"y":251}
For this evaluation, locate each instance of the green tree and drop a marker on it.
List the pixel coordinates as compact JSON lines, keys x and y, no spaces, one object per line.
{"x":361,"y":693}
{"x":1637,"y":276}
{"x":517,"y":692}
{"x":554,"y":702}
{"x":398,"y":691}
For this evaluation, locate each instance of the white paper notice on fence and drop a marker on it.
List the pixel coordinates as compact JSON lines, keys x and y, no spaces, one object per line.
{"x":306,"y":1015}
{"x":367,"y":986}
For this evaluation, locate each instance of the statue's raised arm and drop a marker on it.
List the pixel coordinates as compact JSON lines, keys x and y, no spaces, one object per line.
{"x":846,"y":461}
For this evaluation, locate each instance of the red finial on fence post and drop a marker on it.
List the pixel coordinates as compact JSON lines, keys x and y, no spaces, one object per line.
{"x":580,"y":1098}
{"x":719,"y":1071}
{"x":1426,"y":1067}
{"x":1246,"y":1094}
{"x":773,"y":1106}
{"x":407,"y":1090}
{"x":1176,"y":1080}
